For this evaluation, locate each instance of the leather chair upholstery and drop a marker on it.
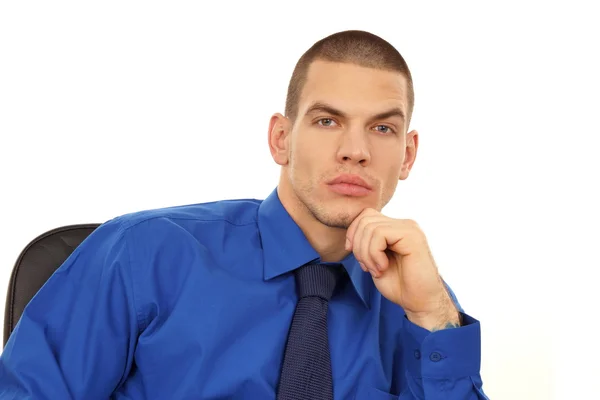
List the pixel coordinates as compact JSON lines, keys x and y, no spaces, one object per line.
{"x":36,"y":263}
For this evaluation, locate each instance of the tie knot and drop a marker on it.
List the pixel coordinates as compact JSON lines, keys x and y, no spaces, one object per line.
{"x":317,"y":280}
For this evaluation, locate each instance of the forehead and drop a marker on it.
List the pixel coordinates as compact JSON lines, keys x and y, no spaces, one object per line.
{"x":353,"y":88}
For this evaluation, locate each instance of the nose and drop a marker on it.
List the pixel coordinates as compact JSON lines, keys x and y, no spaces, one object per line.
{"x":354,"y":149}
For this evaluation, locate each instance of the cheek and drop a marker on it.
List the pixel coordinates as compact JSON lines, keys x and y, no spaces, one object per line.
{"x":391,"y":176}
{"x":303,"y":167}
{"x":394,"y":174}
{"x":308,"y":154}
{"x":300,"y":167}
{"x":389,"y":185}
{"x":387,"y":159}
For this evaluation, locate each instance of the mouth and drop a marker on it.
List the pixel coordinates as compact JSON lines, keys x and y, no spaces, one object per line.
{"x":350,"y":185}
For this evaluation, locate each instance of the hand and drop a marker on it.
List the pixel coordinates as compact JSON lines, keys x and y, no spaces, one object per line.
{"x":396,"y":253}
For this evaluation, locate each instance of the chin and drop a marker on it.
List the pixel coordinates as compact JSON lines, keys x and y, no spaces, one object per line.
{"x":336,"y":214}
{"x":351,"y":204}
{"x":335,"y":221}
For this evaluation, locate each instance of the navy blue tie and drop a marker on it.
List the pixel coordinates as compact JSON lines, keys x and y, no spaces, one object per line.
{"x":306,"y":372}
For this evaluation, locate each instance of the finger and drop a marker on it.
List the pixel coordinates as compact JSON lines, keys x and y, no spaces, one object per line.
{"x":361,"y":247}
{"x":374,"y":245}
{"x":378,"y":246}
{"x":356,"y":244}
{"x":407,"y":238}
{"x":351,"y":232}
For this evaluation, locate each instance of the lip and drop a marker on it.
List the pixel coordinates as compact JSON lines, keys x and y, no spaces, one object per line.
{"x":350,"y":185}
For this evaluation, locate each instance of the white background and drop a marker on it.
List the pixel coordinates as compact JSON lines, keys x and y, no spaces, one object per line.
{"x":111,"y":107}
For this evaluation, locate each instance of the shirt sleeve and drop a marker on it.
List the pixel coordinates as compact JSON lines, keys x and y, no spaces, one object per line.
{"x":444,"y":364}
{"x":76,"y":337}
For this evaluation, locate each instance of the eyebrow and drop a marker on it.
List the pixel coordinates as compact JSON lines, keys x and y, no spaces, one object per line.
{"x":319,"y":106}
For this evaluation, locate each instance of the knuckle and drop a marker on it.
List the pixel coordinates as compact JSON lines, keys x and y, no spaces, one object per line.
{"x":411,"y":222}
{"x":365,"y":228}
{"x":377,"y":231}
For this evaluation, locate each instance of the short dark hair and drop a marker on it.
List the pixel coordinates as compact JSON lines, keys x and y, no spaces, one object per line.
{"x":355,"y":47}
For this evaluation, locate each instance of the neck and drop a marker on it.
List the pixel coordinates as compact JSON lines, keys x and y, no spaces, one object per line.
{"x":327,"y":241}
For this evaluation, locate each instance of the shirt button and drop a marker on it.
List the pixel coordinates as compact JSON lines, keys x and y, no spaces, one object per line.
{"x":417,"y":354}
{"x":435,"y":356}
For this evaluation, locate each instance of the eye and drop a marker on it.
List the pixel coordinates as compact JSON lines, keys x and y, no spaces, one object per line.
{"x":327,"y":122}
{"x":389,"y":130}
{"x":325,"y":119}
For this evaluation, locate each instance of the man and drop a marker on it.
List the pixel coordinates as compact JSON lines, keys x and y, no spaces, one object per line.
{"x":309,"y":294}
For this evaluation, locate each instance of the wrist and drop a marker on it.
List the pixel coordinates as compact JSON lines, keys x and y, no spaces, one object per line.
{"x":446,"y":316}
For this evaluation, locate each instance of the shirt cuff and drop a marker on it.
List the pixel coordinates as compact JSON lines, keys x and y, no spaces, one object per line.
{"x":447,"y":353}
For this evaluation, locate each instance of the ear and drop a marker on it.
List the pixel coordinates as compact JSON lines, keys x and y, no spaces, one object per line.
{"x":279,"y":132}
{"x":410,"y":155}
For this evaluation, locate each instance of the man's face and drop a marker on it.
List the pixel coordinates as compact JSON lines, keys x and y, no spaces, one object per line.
{"x":324,"y":146}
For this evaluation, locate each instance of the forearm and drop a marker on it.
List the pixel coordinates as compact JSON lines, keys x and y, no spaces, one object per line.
{"x":446,"y":316}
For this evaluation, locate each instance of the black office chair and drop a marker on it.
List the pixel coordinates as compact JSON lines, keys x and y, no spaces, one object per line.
{"x":36,"y":263}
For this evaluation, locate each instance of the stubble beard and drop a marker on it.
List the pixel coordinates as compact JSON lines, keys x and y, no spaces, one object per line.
{"x":339,"y":219}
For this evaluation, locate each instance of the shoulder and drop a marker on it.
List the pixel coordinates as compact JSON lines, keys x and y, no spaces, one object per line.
{"x":201,"y":221}
{"x":236,"y":212}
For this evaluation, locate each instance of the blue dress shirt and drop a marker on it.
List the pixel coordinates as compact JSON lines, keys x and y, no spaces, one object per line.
{"x":195,"y":302}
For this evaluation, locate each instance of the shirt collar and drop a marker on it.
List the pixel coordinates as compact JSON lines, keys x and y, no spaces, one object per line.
{"x":285,"y":247}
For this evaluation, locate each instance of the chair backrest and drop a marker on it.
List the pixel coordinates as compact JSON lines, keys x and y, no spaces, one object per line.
{"x":36,"y":263}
